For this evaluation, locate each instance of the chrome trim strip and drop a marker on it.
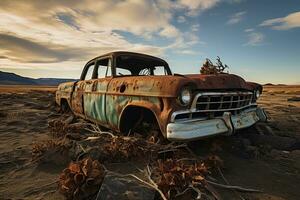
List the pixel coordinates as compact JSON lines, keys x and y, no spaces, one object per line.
{"x":222,"y":101}
{"x":227,"y":109}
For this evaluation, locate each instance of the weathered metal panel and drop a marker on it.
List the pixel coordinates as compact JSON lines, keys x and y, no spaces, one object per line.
{"x":64,"y":92}
{"x":95,"y":100}
{"x":117,"y":103}
{"x":219,"y":81}
{"x":169,"y":86}
{"x":77,"y":97}
{"x":94,"y":107}
{"x":144,"y":86}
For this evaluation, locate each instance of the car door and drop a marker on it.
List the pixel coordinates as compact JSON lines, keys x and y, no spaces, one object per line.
{"x":79,"y":88}
{"x":95,"y":92}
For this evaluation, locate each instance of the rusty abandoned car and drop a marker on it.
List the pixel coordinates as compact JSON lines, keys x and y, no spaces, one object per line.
{"x":121,"y":90}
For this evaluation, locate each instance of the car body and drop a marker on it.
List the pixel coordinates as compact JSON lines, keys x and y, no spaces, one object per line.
{"x":120,"y":89}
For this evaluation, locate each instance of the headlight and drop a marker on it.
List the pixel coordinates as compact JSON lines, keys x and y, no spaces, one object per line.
{"x":185,"y":96}
{"x":257,"y":94}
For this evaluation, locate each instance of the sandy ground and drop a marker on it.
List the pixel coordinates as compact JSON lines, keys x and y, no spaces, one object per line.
{"x":251,"y":158}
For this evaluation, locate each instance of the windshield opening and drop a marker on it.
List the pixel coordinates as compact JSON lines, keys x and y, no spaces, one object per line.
{"x":141,"y":66}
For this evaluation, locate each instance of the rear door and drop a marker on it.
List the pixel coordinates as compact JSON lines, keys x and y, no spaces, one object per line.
{"x":95,"y":92}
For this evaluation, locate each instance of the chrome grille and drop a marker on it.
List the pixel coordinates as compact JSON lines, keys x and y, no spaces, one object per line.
{"x":207,"y":102}
{"x":207,"y":105}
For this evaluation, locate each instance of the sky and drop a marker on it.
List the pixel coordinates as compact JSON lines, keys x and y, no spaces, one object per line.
{"x":258,"y":39}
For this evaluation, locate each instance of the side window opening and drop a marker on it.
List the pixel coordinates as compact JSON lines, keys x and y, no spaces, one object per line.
{"x":103,"y":68}
{"x":153,"y":71}
{"x":123,"y":72}
{"x":89,"y":72}
{"x":159,"y":70}
{"x":145,"y":72}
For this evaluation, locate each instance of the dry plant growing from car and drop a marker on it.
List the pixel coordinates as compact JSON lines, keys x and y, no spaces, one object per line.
{"x":209,"y":68}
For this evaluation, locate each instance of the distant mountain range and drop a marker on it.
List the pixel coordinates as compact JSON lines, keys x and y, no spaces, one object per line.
{"x":7,"y":78}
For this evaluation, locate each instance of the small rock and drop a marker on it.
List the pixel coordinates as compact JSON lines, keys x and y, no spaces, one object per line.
{"x":118,"y":187}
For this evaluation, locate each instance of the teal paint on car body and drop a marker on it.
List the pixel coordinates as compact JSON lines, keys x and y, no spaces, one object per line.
{"x":94,"y":107}
{"x":115,"y":104}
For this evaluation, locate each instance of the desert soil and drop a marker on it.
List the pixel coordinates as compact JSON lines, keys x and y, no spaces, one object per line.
{"x":265,"y":157}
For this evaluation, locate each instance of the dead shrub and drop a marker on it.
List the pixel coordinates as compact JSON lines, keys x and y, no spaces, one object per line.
{"x":175,"y":176}
{"x":55,"y":151}
{"x":81,"y":180}
{"x":108,"y":148}
{"x":60,"y":128}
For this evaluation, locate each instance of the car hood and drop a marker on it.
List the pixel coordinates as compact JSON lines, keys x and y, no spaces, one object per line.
{"x":170,"y":86}
{"x":219,"y":82}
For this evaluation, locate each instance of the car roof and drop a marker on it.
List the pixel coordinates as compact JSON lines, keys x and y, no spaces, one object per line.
{"x":128,"y":53}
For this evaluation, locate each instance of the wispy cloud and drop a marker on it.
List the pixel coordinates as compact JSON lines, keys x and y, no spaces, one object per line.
{"x":290,"y":21}
{"x":196,"y":6}
{"x":235,"y":1}
{"x":195,"y":27}
{"x":188,"y":52}
{"x":181,"y":19}
{"x":249,"y":30}
{"x":169,"y":32}
{"x":254,"y":38}
{"x":236,"y":18}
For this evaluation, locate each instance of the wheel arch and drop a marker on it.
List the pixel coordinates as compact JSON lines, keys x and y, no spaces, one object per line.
{"x":65,"y":104}
{"x":133,"y":110}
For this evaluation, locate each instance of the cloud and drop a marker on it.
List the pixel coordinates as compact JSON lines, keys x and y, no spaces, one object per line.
{"x":169,"y":32}
{"x":188,"y":52}
{"x":235,"y":1}
{"x":23,"y":50}
{"x":236,"y":18}
{"x":195,"y":27}
{"x":249,"y":30}
{"x":181,"y":19}
{"x":58,"y":31}
{"x":196,"y":6}
{"x":255,"y":38}
{"x":55,"y":34}
{"x":288,"y":22}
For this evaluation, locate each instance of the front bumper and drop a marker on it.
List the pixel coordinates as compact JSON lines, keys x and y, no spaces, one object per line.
{"x":226,"y":125}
